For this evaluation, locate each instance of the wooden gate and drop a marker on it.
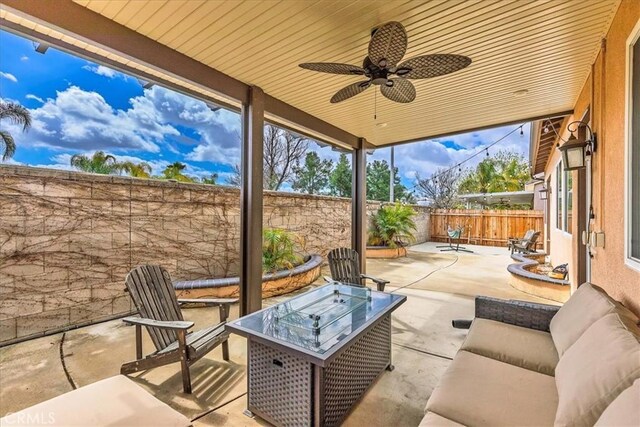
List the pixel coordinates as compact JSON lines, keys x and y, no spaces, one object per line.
{"x":486,"y":227}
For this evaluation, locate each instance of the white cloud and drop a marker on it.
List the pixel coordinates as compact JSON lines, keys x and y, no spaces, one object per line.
{"x":24,"y":58}
{"x":34,"y":97}
{"x":9,"y":76}
{"x":101,"y":70}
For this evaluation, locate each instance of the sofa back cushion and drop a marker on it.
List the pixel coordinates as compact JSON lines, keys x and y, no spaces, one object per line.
{"x":624,"y":410}
{"x":588,"y":304}
{"x":602,"y":363}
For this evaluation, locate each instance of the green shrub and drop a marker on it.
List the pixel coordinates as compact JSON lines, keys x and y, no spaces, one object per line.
{"x":392,"y":226}
{"x":278,"y":250}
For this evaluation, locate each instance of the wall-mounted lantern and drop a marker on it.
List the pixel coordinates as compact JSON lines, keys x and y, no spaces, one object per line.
{"x":544,"y":193}
{"x":576,"y":150}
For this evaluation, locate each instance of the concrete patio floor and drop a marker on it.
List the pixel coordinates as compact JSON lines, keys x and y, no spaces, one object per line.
{"x":439,"y":286}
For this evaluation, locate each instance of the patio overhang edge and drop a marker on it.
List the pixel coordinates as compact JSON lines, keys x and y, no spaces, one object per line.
{"x":478,"y":128}
{"x":72,"y":19}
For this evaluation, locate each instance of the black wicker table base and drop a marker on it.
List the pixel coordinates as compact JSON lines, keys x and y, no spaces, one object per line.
{"x":287,"y":389}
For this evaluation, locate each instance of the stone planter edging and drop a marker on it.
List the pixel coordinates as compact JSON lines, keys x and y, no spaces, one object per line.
{"x":278,"y":283}
{"x":385,"y":252}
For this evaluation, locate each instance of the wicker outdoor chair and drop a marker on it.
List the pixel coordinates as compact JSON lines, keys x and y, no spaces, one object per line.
{"x":344,"y":264}
{"x":152,"y":292}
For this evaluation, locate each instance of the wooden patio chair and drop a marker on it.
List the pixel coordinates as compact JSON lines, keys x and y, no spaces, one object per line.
{"x":512,"y":240}
{"x":527,"y":244}
{"x":344,"y":264}
{"x":152,"y":292}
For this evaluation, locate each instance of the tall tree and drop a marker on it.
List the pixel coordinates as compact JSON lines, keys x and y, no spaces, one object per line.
{"x":312,"y":177}
{"x":378,"y":176}
{"x":18,"y":115}
{"x":99,"y":162}
{"x":211,"y":179}
{"x":340,"y":178}
{"x":507,"y":171}
{"x":175,"y":171}
{"x":235,"y":178}
{"x":137,"y":170}
{"x":441,"y":190}
{"x":282,"y":151}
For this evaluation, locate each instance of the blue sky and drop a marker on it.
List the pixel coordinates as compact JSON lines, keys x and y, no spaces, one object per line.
{"x":80,"y":107}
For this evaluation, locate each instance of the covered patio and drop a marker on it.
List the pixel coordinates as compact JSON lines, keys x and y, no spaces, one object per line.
{"x":440,"y":287}
{"x":549,"y":63}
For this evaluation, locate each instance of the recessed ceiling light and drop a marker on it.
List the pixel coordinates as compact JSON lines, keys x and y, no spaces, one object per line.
{"x":382,"y":125}
{"x":521,"y":92}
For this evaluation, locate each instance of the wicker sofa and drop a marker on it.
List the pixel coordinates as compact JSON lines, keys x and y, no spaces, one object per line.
{"x":526,"y":364}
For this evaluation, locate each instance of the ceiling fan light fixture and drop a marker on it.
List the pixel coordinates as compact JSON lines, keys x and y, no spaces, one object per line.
{"x":389,"y":83}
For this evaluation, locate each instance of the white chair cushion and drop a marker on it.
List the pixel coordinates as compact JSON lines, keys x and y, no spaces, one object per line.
{"x":112,"y":402}
{"x":624,"y":410}
{"x":587,"y":305}
{"x":602,"y":363}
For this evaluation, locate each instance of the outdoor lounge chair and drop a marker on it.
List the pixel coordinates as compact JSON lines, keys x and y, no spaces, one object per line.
{"x":527,"y":244}
{"x":152,"y":292}
{"x":345,"y":267}
{"x":454,"y":234}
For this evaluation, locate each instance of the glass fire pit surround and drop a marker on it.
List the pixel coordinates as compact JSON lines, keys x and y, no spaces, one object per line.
{"x":312,"y":357}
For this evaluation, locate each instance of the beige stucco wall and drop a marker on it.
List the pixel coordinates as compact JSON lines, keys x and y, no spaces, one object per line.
{"x":607,"y":104}
{"x":67,"y":239}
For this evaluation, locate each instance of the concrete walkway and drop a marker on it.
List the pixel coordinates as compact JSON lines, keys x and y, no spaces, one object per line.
{"x":439,"y":286}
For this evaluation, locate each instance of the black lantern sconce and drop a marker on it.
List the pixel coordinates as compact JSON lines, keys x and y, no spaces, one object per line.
{"x":544,"y":193}
{"x":575,"y":151}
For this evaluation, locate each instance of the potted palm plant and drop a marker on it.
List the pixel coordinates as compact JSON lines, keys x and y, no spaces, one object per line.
{"x":391,"y":230}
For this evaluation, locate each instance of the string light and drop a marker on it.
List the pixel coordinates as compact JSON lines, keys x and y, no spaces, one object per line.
{"x":521,"y":132}
{"x":434,"y":178}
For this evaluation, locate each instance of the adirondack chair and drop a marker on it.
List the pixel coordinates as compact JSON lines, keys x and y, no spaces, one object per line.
{"x":152,"y":292}
{"x":512,"y":240}
{"x":345,"y":268}
{"x":527,"y":244}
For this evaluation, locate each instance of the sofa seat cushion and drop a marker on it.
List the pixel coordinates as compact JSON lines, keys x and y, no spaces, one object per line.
{"x":624,"y":410}
{"x":596,"y":369}
{"x":479,"y":391}
{"x":523,"y":347}
{"x":587,"y":305}
{"x":113,"y":402}
{"x":434,"y":420}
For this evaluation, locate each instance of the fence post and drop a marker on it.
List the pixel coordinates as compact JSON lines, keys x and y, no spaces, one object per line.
{"x":481,"y":227}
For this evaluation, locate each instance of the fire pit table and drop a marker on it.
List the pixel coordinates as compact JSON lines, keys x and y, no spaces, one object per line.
{"x":312,"y":357}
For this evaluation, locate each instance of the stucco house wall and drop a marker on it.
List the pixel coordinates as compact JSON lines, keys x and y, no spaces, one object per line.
{"x":604,"y":95}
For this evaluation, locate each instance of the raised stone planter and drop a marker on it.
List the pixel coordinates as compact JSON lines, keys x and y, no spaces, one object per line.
{"x":385,"y":252}
{"x":281,"y":282}
{"x":525,"y":280}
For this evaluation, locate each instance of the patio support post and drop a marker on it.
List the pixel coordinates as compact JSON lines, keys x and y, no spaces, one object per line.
{"x":359,"y":202}
{"x":251,"y":202}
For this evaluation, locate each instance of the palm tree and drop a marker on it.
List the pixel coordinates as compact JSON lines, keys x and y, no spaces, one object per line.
{"x":174,"y":171}
{"x":100,"y":162}
{"x":137,"y":170}
{"x":18,"y":115}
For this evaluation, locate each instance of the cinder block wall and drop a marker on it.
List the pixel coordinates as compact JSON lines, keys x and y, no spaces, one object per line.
{"x":68,"y":239}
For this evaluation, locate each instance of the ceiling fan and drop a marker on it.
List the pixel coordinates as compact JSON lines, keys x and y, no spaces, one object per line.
{"x":387,"y":47}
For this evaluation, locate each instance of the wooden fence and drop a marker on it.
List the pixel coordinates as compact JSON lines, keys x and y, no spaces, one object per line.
{"x":486,"y":227}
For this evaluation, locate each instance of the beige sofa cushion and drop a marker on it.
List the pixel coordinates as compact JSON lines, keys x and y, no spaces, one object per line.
{"x":434,"y":420}
{"x":524,"y":347}
{"x":480,"y":391}
{"x":588,"y":304}
{"x":602,"y":363}
{"x":624,"y":410}
{"x":113,"y":402}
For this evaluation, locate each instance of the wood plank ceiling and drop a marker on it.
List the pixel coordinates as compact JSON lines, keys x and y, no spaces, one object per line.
{"x":543,"y":47}
{"x":546,"y":140}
